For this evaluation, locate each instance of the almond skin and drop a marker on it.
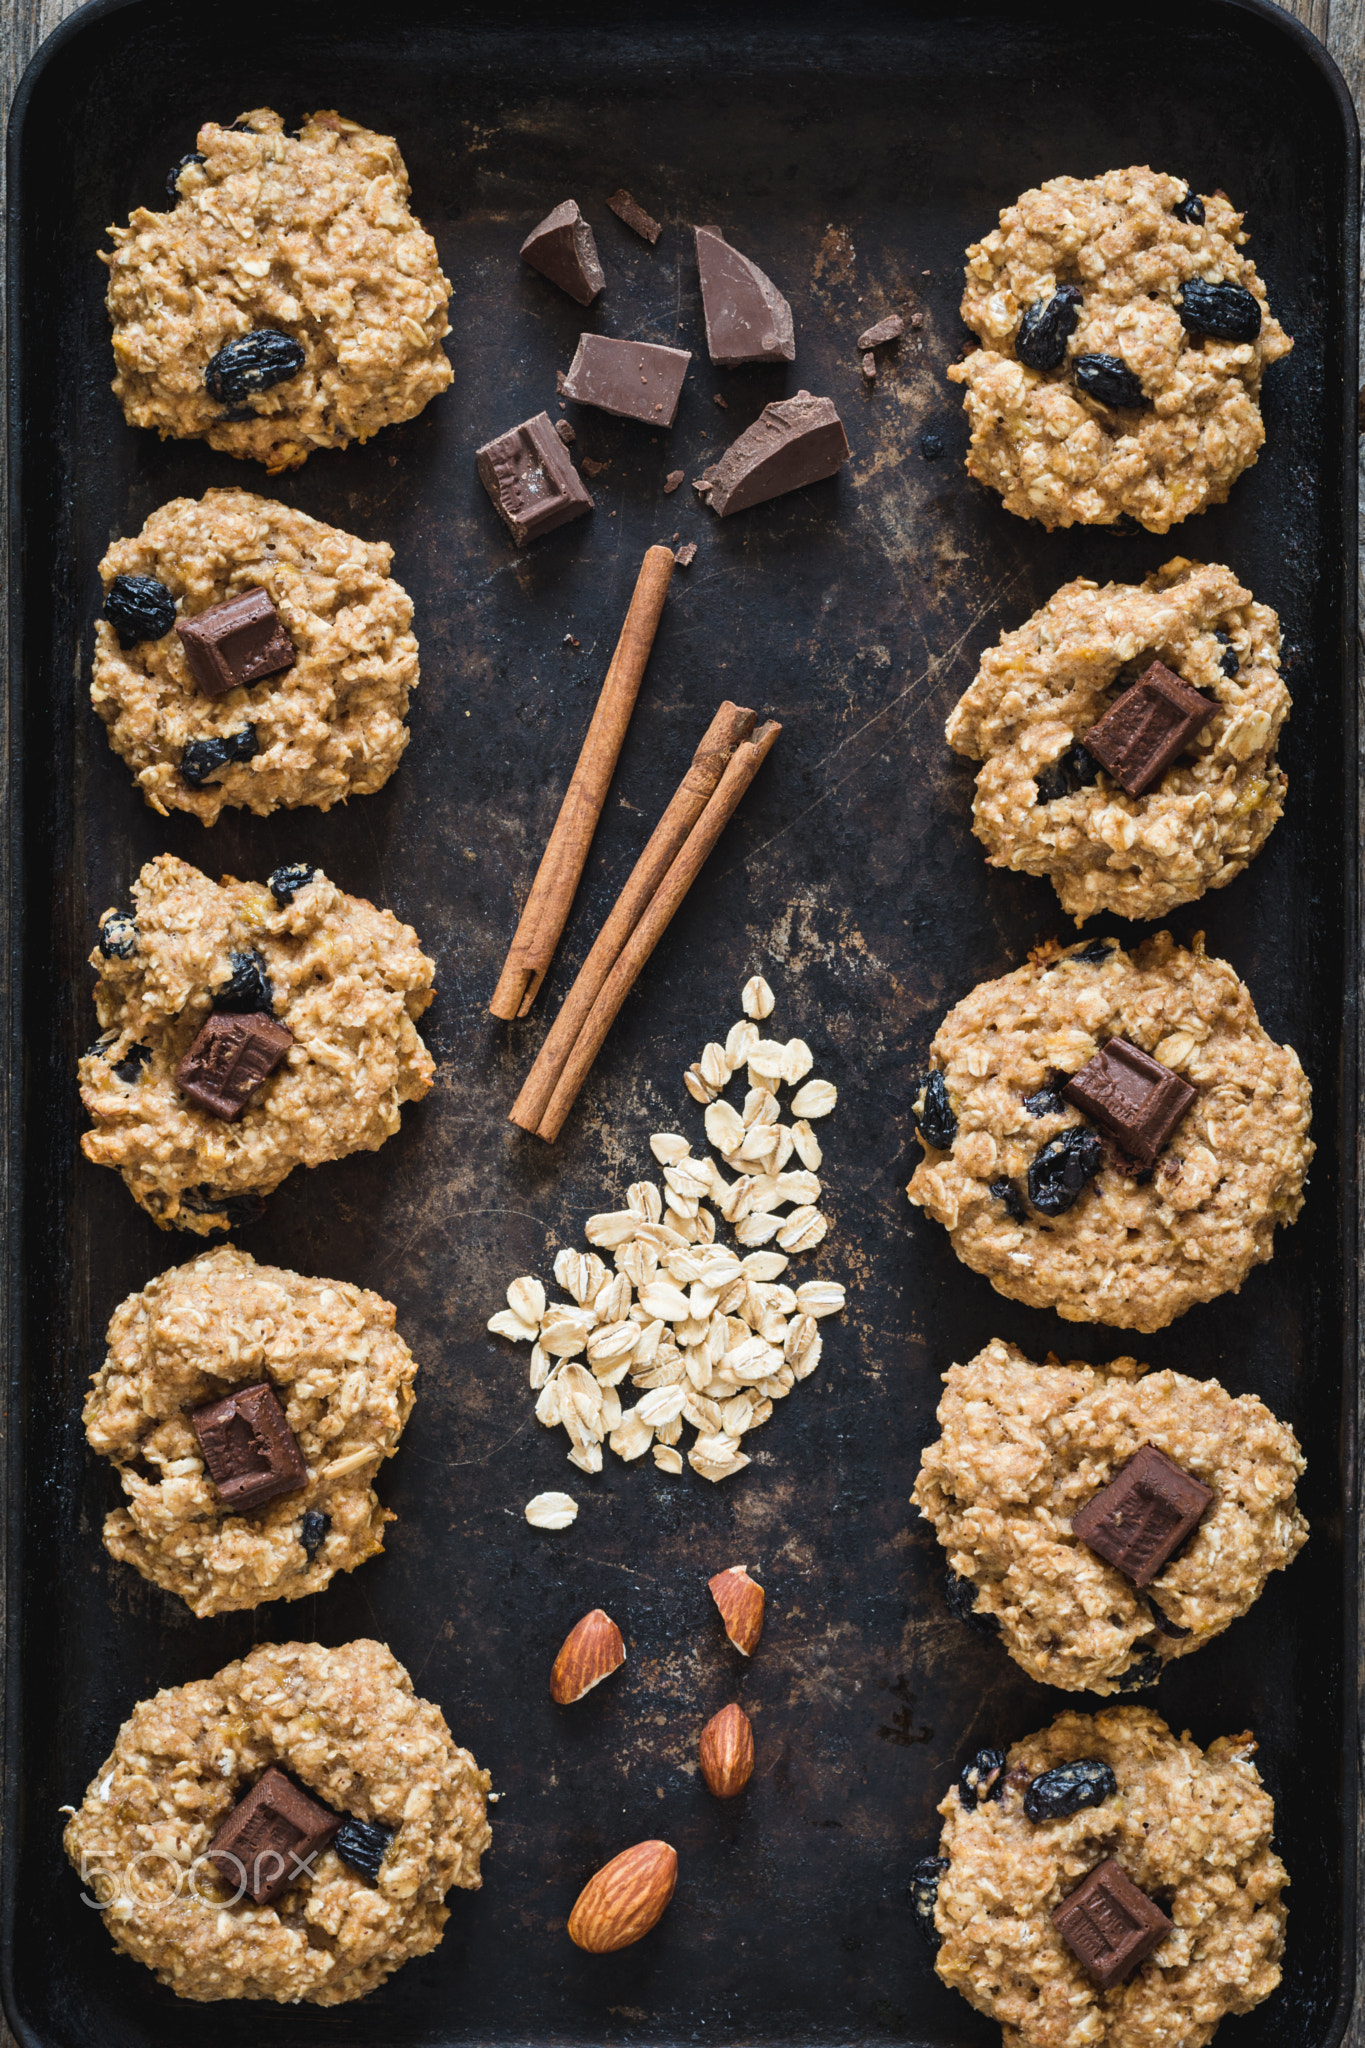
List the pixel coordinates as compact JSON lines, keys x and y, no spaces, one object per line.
{"x":727,"y":1752}
{"x":625,"y":1899}
{"x":740,"y":1600}
{"x":592,"y":1650}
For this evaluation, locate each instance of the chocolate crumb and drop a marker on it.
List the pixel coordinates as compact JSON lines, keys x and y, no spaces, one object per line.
{"x":627,"y":209}
{"x":722,"y":403}
{"x":565,"y":432}
{"x":672,"y":480}
{"x":917,"y":319}
{"x":870,"y":366}
{"x":889,"y":329}
{"x":593,"y":467}
{"x":559,"y":380}
{"x":686,"y":555}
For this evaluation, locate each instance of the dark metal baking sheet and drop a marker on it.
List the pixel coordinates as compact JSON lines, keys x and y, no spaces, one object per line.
{"x":854,"y":153}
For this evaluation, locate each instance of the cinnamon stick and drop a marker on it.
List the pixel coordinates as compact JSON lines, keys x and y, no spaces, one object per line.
{"x":731,"y":725}
{"x":744,"y":764}
{"x":552,"y":892}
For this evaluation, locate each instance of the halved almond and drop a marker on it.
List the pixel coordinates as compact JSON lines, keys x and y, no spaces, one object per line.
{"x":592,"y":1650}
{"x":740,"y":1600}
{"x":625,"y":1899}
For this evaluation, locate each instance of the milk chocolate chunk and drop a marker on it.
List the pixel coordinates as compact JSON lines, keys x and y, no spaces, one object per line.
{"x":562,"y":248}
{"x":269,"y":1839}
{"x":747,"y":318}
{"x":529,"y":477}
{"x":249,"y":1448}
{"x":1139,"y":1521}
{"x":233,"y":1054}
{"x":1132,"y":1097}
{"x":1109,"y":1925}
{"x":625,"y":208}
{"x":889,"y":329}
{"x":793,"y":442}
{"x":236,"y":643}
{"x":1138,"y":737}
{"x":636,"y":380}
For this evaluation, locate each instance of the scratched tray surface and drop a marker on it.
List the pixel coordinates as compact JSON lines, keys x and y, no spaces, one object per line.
{"x":854,"y":164}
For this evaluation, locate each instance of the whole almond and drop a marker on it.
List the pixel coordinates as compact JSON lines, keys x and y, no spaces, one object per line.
{"x":592,"y":1650}
{"x":740,"y":1600}
{"x":727,"y":1751}
{"x":625,"y":1899}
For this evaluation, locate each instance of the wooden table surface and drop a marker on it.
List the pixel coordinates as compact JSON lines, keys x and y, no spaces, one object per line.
{"x":1340,"y":24}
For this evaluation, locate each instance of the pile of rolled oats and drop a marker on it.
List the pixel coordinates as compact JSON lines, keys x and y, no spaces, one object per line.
{"x":707,"y":1334}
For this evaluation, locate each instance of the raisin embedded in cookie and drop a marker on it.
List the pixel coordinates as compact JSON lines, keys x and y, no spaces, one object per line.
{"x":1056,"y":1207}
{"x":247,"y":1029}
{"x":342,"y":1377}
{"x":1190,"y":1831}
{"x":1046,"y":806}
{"x":1026,"y":1448}
{"x":338,"y":1742}
{"x":324,"y":725}
{"x":287,"y":301}
{"x":1123,"y":340}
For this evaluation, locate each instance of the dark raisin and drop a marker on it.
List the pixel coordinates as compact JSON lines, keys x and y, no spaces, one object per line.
{"x":1144,"y":1673}
{"x":1046,"y":328}
{"x":1110,"y":381}
{"x":1095,"y":951}
{"x":1047,"y":1102}
{"x":924,"y":1877}
{"x":931,"y":446}
{"x":1190,"y":209}
{"x":139,"y":608}
{"x":938,"y":1125}
{"x":1163,"y":1620}
{"x":248,"y":988}
{"x":1227,"y":661}
{"x":363,"y":1844}
{"x":195,"y":156}
{"x":129,"y":1068}
{"x":1226,"y":311}
{"x":118,"y":937}
{"x":1065,"y":1790}
{"x":203,"y":758}
{"x":960,"y":1595}
{"x":285,"y":883}
{"x":237,"y":1210}
{"x":312,"y":1530}
{"x":983,"y":1778}
{"x":1006,"y":1192}
{"x":252,"y":363}
{"x":1076,"y":769}
{"x":1064,"y":1169}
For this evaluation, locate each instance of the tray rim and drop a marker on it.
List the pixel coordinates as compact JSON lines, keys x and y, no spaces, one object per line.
{"x":1351,"y":1214}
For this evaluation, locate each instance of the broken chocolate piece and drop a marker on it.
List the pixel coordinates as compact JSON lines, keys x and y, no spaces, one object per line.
{"x":889,"y":329}
{"x":565,"y":432}
{"x":1140,"y":1519}
{"x":672,"y":480}
{"x":1140,"y":735}
{"x":249,"y":1448}
{"x":747,"y":318}
{"x":686,"y":555}
{"x":313,"y":1531}
{"x":233,"y":1054}
{"x":870,"y":367}
{"x":562,"y":248}
{"x":1110,"y":1925}
{"x":533,"y":484}
{"x":270,"y":1838}
{"x":236,"y":643}
{"x":363,"y":1844}
{"x":793,"y":442}
{"x":636,"y":380}
{"x":634,"y":216}
{"x":1132,"y":1097}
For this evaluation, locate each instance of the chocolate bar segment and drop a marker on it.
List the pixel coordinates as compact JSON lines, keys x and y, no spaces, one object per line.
{"x":250,"y":1450}
{"x":793,"y":442}
{"x":1139,"y":736}
{"x":562,"y":248}
{"x":747,"y":318}
{"x":1109,"y":1925}
{"x":636,"y":380}
{"x":1132,"y":1097}
{"x":1139,"y":1521}
{"x":236,"y":643}
{"x":633,"y":214}
{"x":233,"y":1054}
{"x":533,"y":484}
{"x":269,"y":1839}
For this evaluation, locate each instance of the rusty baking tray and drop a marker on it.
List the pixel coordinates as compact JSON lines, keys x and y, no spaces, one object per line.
{"x":853,"y":152}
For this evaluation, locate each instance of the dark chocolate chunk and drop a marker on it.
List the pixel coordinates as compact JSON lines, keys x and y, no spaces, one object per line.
{"x":1093,"y":952}
{"x":1064,"y":1169}
{"x":1110,"y":1925}
{"x":236,"y":643}
{"x":982,"y":1778}
{"x":1142,"y":733}
{"x":139,"y":608}
{"x":889,"y":329}
{"x":793,"y":442}
{"x":1190,"y":209}
{"x":129,"y":1068}
{"x":1076,"y":769}
{"x":634,"y":216}
{"x":747,"y":318}
{"x":931,"y":446}
{"x":565,"y":433}
{"x":1065,"y":1789}
{"x":960,"y":1595}
{"x":562,"y":248}
{"x":118,"y":936}
{"x":193,"y":156}
{"x":251,"y":363}
{"x":635,"y":380}
{"x":1226,"y":311}
{"x":937,"y":1123}
{"x":203,"y":758}
{"x":672,"y":480}
{"x":1046,"y":328}
{"x":363,"y":1844}
{"x":1132,"y":1097}
{"x":1008,"y":1194}
{"x":686,"y":555}
{"x":238,"y":1210}
{"x":248,"y":987}
{"x":270,"y":1838}
{"x":1110,"y":381}
{"x":249,"y":1448}
{"x":1164,"y":1622}
{"x":1140,"y":1519}
{"x":529,"y":477}
{"x":1227,"y":661}
{"x":1047,"y":1102}
{"x":229,"y":1060}
{"x":285,"y":883}
{"x":924,"y":1878}
{"x":312,"y":1530}
{"x":1142,"y":1674}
